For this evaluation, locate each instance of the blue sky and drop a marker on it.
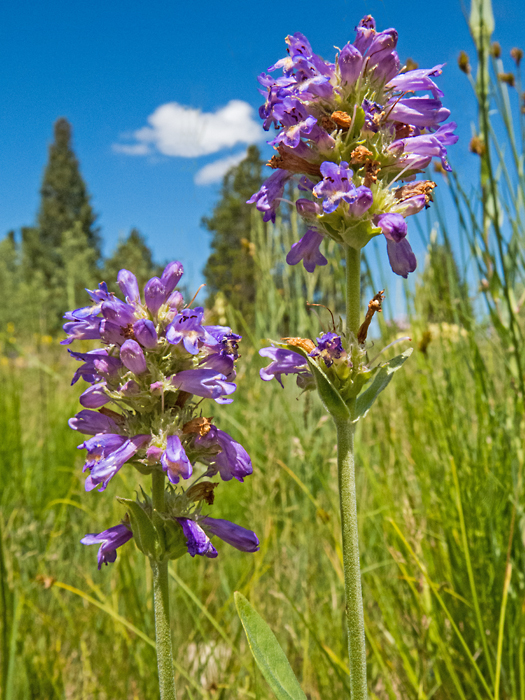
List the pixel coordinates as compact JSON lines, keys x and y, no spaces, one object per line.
{"x":114,"y":68}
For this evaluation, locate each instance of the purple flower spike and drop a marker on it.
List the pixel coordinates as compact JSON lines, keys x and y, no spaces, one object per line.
{"x":145,"y":333}
{"x":232,"y":461}
{"x":284,"y":362}
{"x":307,"y":250}
{"x":171,"y":276}
{"x":105,"y":469}
{"x":110,"y":540}
{"x":129,"y":286}
{"x":402,"y":259}
{"x":175,"y":461}
{"x":336,"y":186}
{"x":197,"y":540}
{"x":92,"y":423}
{"x":154,"y":295}
{"x":132,"y":357}
{"x":204,"y":382}
{"x":94,"y":396}
{"x":235,"y":535}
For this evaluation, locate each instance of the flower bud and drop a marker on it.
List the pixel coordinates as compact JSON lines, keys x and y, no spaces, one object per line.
{"x":132,"y":357}
{"x":145,"y":333}
{"x":128,"y":285}
{"x":155,"y":295}
{"x":307,"y":209}
{"x":175,"y":300}
{"x":171,"y":275}
{"x":94,"y":396}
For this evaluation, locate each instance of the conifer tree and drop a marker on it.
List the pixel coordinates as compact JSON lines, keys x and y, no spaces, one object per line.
{"x":230,"y":267}
{"x":65,"y":203}
{"x":134,"y":254}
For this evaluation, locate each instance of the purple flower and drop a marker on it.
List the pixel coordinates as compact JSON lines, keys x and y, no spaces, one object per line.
{"x":105,"y":469}
{"x":96,"y":362}
{"x":95,"y":396}
{"x":82,"y":328}
{"x":132,"y":357}
{"x":307,"y":250}
{"x":336,"y":186}
{"x":307,"y":209}
{"x":171,"y":276}
{"x":402,"y":259}
{"x":129,"y":286}
{"x":197,"y":540}
{"x":118,"y":312}
{"x":175,"y":461}
{"x":363,"y":201}
{"x":92,"y":423}
{"x":366,"y":31}
{"x":283,"y":362}
{"x":418,"y":111}
{"x":99,"y":447}
{"x":204,"y":382}
{"x":419,"y":79}
{"x":186,"y":327}
{"x":235,"y":535}
{"x":232,"y":461}
{"x":110,"y":540}
{"x":155,"y":295}
{"x":267,"y":199}
{"x":392,"y":225}
{"x":329,"y":347}
{"x":350,"y":64}
{"x":145,"y":333}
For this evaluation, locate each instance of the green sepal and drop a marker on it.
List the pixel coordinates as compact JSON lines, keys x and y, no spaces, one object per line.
{"x":359,"y":380}
{"x":357,"y":122}
{"x":267,"y":652}
{"x":381,"y":381}
{"x":175,"y":540}
{"x":145,"y":533}
{"x":329,"y":395}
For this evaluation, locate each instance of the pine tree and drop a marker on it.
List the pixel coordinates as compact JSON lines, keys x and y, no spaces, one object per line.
{"x":132,"y":254}
{"x":230,"y":267}
{"x":65,"y":204}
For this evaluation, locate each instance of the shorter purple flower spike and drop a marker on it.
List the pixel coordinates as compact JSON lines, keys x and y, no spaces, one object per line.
{"x":307,"y":250}
{"x":132,"y":357}
{"x":154,"y":295}
{"x":235,"y":535}
{"x":197,"y":540}
{"x":175,"y":461}
{"x":110,"y":540}
{"x":283,"y":362}
{"x":129,"y":286}
{"x":145,"y":333}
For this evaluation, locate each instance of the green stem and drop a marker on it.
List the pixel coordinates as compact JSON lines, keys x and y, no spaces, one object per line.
{"x":161,"y":604}
{"x":348,"y":502}
{"x":353,"y":290}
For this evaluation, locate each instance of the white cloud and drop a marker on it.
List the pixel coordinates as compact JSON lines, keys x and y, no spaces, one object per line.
{"x":214,"y":172}
{"x":175,"y":130}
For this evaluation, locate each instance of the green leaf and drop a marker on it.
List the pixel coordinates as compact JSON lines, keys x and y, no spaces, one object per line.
{"x":144,"y":532}
{"x":267,"y":653}
{"x":330,"y":396}
{"x":381,"y":381}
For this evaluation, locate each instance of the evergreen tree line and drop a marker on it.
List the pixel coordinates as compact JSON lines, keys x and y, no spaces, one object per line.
{"x":44,"y":270}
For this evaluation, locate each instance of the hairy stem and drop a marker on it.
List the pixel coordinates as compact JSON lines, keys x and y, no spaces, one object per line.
{"x":161,"y":605}
{"x":348,"y":501}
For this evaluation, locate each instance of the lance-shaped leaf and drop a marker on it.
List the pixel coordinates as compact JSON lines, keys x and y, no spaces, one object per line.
{"x":330,"y":396}
{"x":381,"y":381}
{"x":267,"y":653}
{"x":144,"y":532}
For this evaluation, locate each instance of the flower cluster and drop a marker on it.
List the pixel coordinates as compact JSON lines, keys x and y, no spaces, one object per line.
{"x":350,"y":132}
{"x":158,"y":362}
